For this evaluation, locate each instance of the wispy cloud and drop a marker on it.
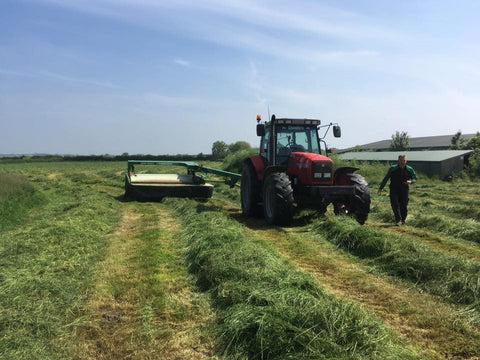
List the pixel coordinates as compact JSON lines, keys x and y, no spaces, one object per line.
{"x":280,"y":28}
{"x":14,"y":73}
{"x":56,"y":76}
{"x":66,"y":78}
{"x":182,"y":62}
{"x":284,"y":15}
{"x":255,"y":84}
{"x":167,"y":100}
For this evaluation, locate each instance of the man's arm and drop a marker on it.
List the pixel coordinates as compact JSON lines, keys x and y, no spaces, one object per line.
{"x":384,"y":181}
{"x":412,"y":173}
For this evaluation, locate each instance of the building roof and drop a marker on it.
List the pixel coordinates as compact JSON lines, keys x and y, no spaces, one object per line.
{"x":434,"y":155}
{"x":425,"y":142}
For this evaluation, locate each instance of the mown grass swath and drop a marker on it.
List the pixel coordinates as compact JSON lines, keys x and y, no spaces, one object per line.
{"x":17,"y":196}
{"x":266,"y":308}
{"x":458,"y":219}
{"x":46,"y":265}
{"x":452,"y":277}
{"x":449,"y":208}
{"x":465,"y":205}
{"x":467,"y":229}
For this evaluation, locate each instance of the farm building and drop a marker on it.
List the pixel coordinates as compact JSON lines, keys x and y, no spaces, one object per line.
{"x":442,"y":142}
{"x":441,"y":162}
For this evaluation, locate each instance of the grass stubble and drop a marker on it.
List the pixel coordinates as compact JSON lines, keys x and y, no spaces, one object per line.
{"x":143,"y":304}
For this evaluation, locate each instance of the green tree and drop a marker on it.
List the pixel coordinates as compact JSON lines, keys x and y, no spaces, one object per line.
{"x":458,"y":141}
{"x":474,"y":142}
{"x":474,"y":164}
{"x":238,"y":146}
{"x":400,"y":141}
{"x":219,"y":150}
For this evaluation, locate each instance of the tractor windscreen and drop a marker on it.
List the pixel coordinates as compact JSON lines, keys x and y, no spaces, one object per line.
{"x":291,"y":138}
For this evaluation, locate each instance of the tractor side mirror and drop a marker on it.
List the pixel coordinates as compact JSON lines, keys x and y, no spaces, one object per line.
{"x":337,"y":131}
{"x":260,"y":129}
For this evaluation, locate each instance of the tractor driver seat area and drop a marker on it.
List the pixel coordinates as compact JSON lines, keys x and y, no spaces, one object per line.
{"x":282,"y":155}
{"x":283,"y":151}
{"x":298,"y":148}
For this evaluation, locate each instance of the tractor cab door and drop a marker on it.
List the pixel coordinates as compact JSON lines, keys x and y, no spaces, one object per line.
{"x":265,"y":146}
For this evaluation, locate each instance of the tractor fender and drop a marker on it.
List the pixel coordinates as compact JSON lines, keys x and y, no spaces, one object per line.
{"x":338,"y":177}
{"x":258,"y":164}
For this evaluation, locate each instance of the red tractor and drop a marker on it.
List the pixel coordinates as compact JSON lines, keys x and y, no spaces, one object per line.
{"x":291,"y":173}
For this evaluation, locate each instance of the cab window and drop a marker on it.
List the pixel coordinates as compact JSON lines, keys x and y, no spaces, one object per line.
{"x":265,"y":145}
{"x":291,"y":138}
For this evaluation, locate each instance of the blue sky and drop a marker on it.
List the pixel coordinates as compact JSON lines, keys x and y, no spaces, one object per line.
{"x":169,"y":77}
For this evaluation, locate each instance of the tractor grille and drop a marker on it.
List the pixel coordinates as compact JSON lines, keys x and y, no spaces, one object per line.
{"x":322,"y":171}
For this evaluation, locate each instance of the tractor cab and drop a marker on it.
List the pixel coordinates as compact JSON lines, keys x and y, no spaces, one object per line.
{"x":281,"y":137}
{"x":292,"y":172}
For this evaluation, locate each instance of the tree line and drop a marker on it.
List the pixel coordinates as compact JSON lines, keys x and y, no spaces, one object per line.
{"x":106,"y":157}
{"x":459,"y":142}
{"x":220,"y":149}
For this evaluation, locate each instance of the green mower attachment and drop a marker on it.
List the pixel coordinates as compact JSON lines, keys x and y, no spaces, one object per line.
{"x":158,"y":186}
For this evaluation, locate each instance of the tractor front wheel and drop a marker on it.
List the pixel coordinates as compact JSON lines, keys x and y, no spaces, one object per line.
{"x":278,"y":199}
{"x":250,"y":191}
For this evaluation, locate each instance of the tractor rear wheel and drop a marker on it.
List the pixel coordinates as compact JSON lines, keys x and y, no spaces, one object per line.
{"x":278,"y":199}
{"x":250,"y":191}
{"x":358,"y":205}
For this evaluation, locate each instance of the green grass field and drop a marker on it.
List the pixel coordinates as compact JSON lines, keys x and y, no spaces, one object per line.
{"x":86,"y":274}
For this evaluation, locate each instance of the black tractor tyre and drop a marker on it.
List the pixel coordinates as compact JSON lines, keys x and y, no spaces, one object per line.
{"x":250,"y":192}
{"x":358,"y":205}
{"x":278,"y":199}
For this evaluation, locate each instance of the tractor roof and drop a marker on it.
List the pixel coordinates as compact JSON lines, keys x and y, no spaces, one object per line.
{"x":288,"y":121}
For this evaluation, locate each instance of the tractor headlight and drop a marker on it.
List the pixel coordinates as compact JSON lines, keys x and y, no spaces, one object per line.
{"x":325,"y":175}
{"x":322,"y":170}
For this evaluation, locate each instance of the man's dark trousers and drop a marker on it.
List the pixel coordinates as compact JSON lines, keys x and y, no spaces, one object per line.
{"x":399,"y":201}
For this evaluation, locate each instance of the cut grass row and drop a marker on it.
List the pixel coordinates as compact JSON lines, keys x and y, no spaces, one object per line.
{"x":451,"y":277}
{"x":17,"y":197}
{"x":463,"y":204}
{"x":440,"y":242}
{"x":433,"y":220}
{"x":438,"y":328}
{"x":450,"y":218}
{"x":46,"y":264}
{"x":446,"y":330}
{"x":267,"y":309}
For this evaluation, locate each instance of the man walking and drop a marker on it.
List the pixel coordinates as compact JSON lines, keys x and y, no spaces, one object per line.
{"x":401,"y":175}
